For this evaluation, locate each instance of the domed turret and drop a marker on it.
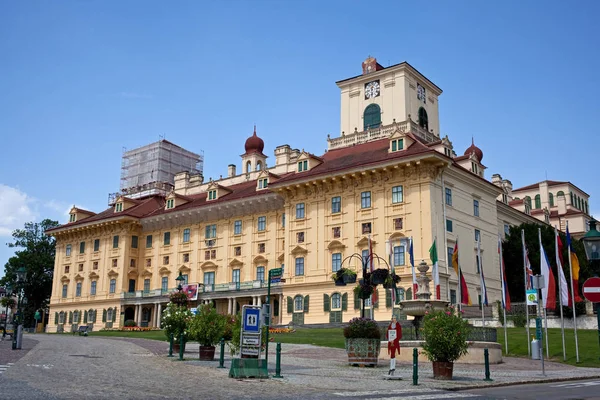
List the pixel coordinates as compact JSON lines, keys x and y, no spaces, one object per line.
{"x":254,"y":144}
{"x":474,"y":149}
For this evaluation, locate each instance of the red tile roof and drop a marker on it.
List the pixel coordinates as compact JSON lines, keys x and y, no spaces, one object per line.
{"x":536,"y":185}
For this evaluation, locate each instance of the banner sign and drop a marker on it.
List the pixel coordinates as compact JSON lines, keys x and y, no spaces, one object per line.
{"x":532,"y":298}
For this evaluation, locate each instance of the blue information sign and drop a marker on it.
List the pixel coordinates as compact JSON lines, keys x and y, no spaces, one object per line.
{"x":251,"y":320}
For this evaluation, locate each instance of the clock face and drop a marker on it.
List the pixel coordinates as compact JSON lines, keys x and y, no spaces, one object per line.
{"x":420,"y":93}
{"x":372,"y":90}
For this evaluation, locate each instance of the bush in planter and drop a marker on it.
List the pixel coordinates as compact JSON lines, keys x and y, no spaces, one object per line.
{"x":175,"y":320}
{"x":130,"y":323}
{"x":362,"y":328}
{"x":445,"y":334}
{"x":207,"y":326}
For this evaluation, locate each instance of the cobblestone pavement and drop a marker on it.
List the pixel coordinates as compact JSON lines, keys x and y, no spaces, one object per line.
{"x":66,"y":367}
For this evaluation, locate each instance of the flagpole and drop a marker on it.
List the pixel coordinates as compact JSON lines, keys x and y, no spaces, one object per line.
{"x":525,"y":285}
{"x":458,"y":277}
{"x":503,"y":283}
{"x":573,"y":297}
{"x":483,"y":293}
{"x":545,"y":299}
{"x":562,"y":321}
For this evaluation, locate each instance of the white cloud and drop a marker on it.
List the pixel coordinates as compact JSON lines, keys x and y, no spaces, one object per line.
{"x":16,"y":208}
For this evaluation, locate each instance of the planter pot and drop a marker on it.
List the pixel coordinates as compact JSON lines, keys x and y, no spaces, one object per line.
{"x":340,"y":282}
{"x":349,"y":278}
{"x":379,"y":276}
{"x":363,"y":352}
{"x":207,"y":353}
{"x":442,"y":370}
{"x":176,"y":348}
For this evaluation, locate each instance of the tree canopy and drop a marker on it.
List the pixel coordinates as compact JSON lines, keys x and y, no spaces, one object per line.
{"x":36,"y":254}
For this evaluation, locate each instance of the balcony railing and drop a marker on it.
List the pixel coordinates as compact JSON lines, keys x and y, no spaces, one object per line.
{"x":221,"y":287}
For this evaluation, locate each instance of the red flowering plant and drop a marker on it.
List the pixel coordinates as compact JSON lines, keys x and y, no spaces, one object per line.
{"x":445,"y":334}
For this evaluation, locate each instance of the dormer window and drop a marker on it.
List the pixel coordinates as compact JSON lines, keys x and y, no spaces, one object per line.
{"x":170,"y":203}
{"x":397,"y":144}
{"x":302,"y":165}
{"x":212,"y":194}
{"x":72,"y":218}
{"x":118,"y":207}
{"x":447,"y":152}
{"x":262,"y":183}
{"x":474,"y":168}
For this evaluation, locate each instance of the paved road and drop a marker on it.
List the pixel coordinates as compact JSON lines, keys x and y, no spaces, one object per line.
{"x":587,"y":389}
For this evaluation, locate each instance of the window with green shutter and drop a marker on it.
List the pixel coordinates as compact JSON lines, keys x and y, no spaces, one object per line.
{"x":104,"y":315}
{"x":70,"y":317}
{"x":55,"y":318}
{"x":306,"y":304}
{"x":345,"y":302}
{"x":356,"y":301}
{"x":290,"y":305}
{"x":388,"y":298}
{"x":326,"y":305}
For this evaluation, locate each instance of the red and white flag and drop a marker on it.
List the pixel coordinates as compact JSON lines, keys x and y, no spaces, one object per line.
{"x":565,"y":299}
{"x":549,"y":290}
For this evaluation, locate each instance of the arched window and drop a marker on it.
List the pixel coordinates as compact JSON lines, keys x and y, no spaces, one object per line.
{"x":560,"y":193}
{"x":423,"y":119}
{"x":336,"y":301}
{"x":538,"y":201}
{"x":372,"y":117}
{"x":248,"y":167}
{"x":572,"y":202}
{"x":579,"y":202}
{"x":551,"y":199}
{"x":258,"y":165}
{"x":528,"y":201}
{"x":298,"y":306}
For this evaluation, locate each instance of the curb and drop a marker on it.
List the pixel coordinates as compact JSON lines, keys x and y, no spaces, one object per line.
{"x":543,"y":380}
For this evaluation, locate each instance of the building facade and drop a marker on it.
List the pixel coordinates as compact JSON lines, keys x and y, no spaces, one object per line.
{"x":393,"y":177}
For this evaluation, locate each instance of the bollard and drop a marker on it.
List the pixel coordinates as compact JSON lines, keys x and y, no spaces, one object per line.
{"x":181,"y":345}
{"x":415,"y":367}
{"x":278,"y":362}
{"x":222,"y":355}
{"x":486,"y":356}
{"x":171,"y":346}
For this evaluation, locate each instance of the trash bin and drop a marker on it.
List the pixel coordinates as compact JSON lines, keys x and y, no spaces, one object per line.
{"x":535,"y":349}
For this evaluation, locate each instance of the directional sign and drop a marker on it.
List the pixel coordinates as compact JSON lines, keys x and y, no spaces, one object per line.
{"x":251,"y":319}
{"x":251,"y":340}
{"x":591,"y":290}
{"x":275,"y":272}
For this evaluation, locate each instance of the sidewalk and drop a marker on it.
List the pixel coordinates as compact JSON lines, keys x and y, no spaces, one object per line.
{"x":325,"y":368}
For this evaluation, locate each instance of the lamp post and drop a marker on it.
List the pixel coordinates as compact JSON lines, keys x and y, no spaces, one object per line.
{"x":18,"y":319}
{"x":180,"y":279}
{"x":8,"y":294}
{"x":591,"y":243}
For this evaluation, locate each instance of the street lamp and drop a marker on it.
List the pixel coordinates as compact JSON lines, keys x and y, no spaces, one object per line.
{"x":591,"y":243}
{"x":180,"y":279}
{"x":18,"y":322}
{"x":8,"y":293}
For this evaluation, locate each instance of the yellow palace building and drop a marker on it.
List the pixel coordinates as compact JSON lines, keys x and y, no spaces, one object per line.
{"x":389,"y":176}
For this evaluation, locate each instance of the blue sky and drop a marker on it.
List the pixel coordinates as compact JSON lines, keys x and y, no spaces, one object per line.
{"x":80,"y":81}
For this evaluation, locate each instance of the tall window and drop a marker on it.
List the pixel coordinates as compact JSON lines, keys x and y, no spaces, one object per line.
{"x":170,"y":203}
{"x":449,"y":225}
{"x":235,"y":276}
{"x":298,"y":304}
{"x":81,"y":247}
{"x":134,"y":242}
{"x":336,"y":204}
{"x":93,"y":288}
{"x":212,"y":194}
{"x":299,"y":210}
{"x":397,"y":144}
{"x":149,"y":241}
{"x":506,"y":229}
{"x":476,"y":208}
{"x":336,"y":301}
{"x":398,"y":256}
{"x":336,"y":262}
{"x":551,"y":199}
{"x":262,"y":223}
{"x":477,"y":266}
{"x":78,"y":289}
{"x":365,"y":200}
{"x":372,"y":117}
{"x":68,"y":250}
{"x":96,"y":244}
{"x":64,"y":290}
{"x":167,"y":238}
{"x":527,"y":200}
{"x":237,"y":227}
{"x":300,"y":266}
{"x":112,"y":286}
{"x":164,"y":284}
{"x":146,"y":285}
{"x":477,"y":235}
{"x":260,"y":273}
{"x":186,"y":235}
{"x":449,"y":196}
{"x":423,"y":119}
{"x":397,"y":195}
{"x":538,"y":201}
{"x":452,"y":296}
{"x":450,"y":252}
{"x":209,"y":278}
{"x":210,"y":231}
{"x":302,"y":165}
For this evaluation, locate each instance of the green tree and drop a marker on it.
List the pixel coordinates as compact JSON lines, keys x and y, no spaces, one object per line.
{"x":513,"y":257}
{"x":36,"y":255}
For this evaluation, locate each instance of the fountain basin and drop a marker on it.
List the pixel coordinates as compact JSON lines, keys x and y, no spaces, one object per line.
{"x":419,"y":308}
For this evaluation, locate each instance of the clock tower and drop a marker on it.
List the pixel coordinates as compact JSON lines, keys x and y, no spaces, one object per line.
{"x":381,"y":95}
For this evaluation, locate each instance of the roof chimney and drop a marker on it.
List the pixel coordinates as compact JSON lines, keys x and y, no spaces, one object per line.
{"x":231,"y":170}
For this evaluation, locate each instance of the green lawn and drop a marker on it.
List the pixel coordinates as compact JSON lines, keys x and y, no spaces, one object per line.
{"x":326,"y":337}
{"x":154,"y":335}
{"x":589,"y":350}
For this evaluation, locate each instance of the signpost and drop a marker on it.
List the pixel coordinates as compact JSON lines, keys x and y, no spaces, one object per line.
{"x":251,"y":334}
{"x":591,"y":291}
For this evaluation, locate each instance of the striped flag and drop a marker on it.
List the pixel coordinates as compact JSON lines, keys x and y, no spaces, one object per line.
{"x":565,"y":299}
{"x":574,"y":267}
{"x":412,"y":263}
{"x":549,"y":291}
{"x":374,"y":297}
{"x":436,"y":269}
{"x":484,"y":298}
{"x":464,"y":290}
{"x":505,"y":295}
{"x":529,"y":271}
{"x":390,"y":252}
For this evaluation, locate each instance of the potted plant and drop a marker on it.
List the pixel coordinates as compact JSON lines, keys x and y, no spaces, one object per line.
{"x":363,"y":341}
{"x":445,"y":334}
{"x":391,"y":280}
{"x":379,"y":275}
{"x":207,"y":327}
{"x":363,"y":290}
{"x":338,"y":277}
{"x":175,"y":320}
{"x":349,"y":276}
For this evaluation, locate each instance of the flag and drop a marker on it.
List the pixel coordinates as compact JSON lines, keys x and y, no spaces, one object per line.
{"x":374,"y":297}
{"x":565,"y":299}
{"x":412,"y":263}
{"x":505,"y":295}
{"x":484,"y":299}
{"x":529,"y":271}
{"x":390,"y":252}
{"x":549,"y":290}
{"x":464,"y":291}
{"x":436,"y":270}
{"x":574,"y":268}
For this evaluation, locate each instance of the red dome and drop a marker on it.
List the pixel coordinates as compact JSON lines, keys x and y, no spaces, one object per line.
{"x":254,"y":144}
{"x":474,"y":149}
